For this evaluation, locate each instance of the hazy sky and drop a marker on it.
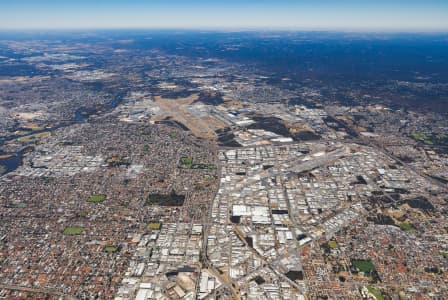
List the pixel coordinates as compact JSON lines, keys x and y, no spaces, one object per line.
{"x":395,"y":15}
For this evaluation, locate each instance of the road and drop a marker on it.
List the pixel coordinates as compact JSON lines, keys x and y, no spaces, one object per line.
{"x":36,"y":291}
{"x":204,"y":258}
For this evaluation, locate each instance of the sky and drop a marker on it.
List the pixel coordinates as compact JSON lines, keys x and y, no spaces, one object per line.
{"x":347,"y":15}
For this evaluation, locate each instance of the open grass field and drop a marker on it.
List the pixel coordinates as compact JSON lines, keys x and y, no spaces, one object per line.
{"x":73,"y":230}
{"x":97,"y":198}
{"x":154,"y":226}
{"x":186,"y":162}
{"x":375,"y":293}
{"x":365,"y":266}
{"x":111,"y":249}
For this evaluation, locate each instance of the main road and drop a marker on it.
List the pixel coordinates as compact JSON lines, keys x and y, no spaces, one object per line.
{"x":31,"y":290}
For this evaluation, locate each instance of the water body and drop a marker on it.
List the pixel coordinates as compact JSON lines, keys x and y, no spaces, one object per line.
{"x":10,"y":164}
{"x":81,"y":115}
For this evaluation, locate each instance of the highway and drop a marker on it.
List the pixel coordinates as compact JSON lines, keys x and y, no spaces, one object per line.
{"x":204,"y":258}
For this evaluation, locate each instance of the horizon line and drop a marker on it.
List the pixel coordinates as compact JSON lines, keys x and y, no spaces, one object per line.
{"x":236,"y":29}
